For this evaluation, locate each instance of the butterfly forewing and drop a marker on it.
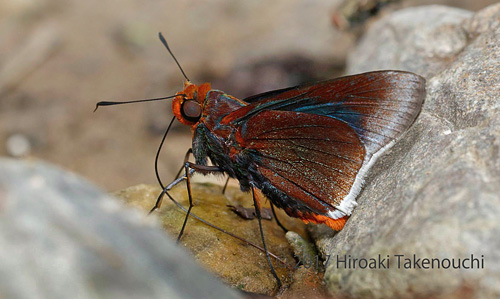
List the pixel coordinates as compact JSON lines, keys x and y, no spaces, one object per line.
{"x":378,"y":105}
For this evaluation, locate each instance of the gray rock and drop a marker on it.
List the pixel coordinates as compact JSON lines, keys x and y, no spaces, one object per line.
{"x":422,"y":40}
{"x":436,"y":193}
{"x":60,"y":237}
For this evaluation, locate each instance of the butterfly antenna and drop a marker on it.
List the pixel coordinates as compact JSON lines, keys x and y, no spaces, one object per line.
{"x":164,"y":42}
{"x":105,"y":103}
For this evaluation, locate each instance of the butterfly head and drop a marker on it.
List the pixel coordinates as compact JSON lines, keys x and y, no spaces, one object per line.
{"x":188,"y":104}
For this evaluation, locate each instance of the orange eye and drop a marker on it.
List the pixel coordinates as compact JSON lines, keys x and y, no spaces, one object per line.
{"x":191,"y":110}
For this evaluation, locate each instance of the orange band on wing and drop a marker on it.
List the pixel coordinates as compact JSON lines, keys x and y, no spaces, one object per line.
{"x":336,"y":224}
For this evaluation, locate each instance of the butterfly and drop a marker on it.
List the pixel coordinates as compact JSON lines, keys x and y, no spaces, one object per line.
{"x":305,"y":148}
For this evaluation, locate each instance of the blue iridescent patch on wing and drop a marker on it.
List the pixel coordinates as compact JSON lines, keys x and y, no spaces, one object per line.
{"x":334,"y":110}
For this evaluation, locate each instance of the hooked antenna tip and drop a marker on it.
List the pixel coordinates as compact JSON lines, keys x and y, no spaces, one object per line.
{"x":162,"y":38}
{"x":164,"y":42}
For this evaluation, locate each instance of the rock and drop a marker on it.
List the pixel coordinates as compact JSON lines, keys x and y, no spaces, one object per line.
{"x":436,"y":193}
{"x":303,"y":249}
{"x":422,"y":40}
{"x":63,"y":238}
{"x":306,"y":283}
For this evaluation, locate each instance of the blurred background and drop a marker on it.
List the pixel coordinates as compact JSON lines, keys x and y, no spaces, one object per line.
{"x":58,"y":58}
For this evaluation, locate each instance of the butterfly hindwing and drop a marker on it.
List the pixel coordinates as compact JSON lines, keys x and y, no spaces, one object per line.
{"x":315,"y":159}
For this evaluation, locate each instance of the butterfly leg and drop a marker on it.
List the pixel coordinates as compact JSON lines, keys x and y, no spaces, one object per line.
{"x":171,"y":185}
{"x":188,"y":167}
{"x":276,"y":218}
{"x":188,"y":184}
{"x":163,"y":192}
{"x":225,"y":186}
{"x":179,"y":172}
{"x":256,"y":203}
